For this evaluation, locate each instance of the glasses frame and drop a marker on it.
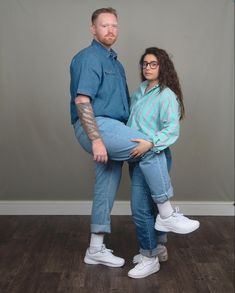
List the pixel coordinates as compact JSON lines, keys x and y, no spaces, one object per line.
{"x":152,"y":64}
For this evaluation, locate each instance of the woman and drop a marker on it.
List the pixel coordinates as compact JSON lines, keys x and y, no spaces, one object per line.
{"x":156,"y":109}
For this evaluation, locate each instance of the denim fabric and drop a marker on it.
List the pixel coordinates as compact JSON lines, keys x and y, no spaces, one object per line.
{"x":96,"y":72}
{"x":106,"y":185}
{"x":117,"y":139}
{"x":144,"y":210}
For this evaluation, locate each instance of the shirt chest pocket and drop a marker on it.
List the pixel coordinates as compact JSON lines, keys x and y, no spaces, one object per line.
{"x":109,"y":73}
{"x":110,"y":80}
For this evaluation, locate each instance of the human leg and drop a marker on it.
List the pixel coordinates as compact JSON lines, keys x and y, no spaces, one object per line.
{"x":106,"y":185}
{"x":141,"y":194}
{"x":143,"y":214}
{"x":164,"y":206}
{"x":107,"y":179}
{"x":167,"y":220}
{"x":173,"y":222}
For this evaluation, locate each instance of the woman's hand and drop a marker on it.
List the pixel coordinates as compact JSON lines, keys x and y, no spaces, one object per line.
{"x":142,"y":147}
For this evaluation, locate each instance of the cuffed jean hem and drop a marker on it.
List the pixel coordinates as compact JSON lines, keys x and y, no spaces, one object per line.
{"x":95,"y":228}
{"x":163,"y":197}
{"x":161,"y":239}
{"x":148,"y":253}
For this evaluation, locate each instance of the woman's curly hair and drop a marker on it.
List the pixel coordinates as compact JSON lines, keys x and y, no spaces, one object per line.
{"x":167,"y":74}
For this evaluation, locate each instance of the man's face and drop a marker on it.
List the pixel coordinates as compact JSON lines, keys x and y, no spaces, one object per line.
{"x":105,"y":29}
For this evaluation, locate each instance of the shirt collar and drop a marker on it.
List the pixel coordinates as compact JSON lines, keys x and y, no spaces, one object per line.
{"x":144,"y":84}
{"x":109,"y":52}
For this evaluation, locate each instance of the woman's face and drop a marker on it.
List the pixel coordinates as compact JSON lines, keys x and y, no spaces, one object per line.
{"x":150,"y":67}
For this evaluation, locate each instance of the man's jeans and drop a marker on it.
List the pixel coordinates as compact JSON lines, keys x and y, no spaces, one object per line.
{"x":117,"y":139}
{"x":144,"y":210}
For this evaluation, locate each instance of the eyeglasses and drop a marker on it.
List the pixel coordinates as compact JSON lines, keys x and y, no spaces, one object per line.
{"x":152,"y":64}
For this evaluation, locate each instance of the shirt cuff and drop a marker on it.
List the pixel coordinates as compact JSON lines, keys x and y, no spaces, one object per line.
{"x":154,"y":141}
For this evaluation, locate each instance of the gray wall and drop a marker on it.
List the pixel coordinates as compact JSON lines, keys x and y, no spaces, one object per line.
{"x":39,"y":156}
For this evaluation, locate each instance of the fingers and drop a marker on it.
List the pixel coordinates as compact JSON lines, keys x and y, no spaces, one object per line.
{"x":101,"y":158}
{"x":135,"y":153}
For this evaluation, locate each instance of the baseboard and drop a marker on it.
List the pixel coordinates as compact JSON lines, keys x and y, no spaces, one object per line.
{"x":197,"y":208}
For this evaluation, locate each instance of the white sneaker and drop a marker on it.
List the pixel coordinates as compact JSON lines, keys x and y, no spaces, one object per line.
{"x":144,"y":268}
{"x":104,"y":257}
{"x":161,"y":254}
{"x":177,"y":223}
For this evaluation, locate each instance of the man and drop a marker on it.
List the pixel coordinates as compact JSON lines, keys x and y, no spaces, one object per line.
{"x":99,"y":111}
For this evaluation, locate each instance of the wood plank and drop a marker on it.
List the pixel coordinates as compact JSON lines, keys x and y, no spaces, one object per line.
{"x":40,"y":254}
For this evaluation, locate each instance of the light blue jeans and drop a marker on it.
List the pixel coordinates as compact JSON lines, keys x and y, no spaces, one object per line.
{"x":144,"y":210}
{"x":117,"y":139}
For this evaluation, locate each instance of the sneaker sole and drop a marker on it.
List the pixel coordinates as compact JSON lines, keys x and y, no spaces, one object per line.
{"x":145,"y":275}
{"x":159,"y":227}
{"x":94,"y":262}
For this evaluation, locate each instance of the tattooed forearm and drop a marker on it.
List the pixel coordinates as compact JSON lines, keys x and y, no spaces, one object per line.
{"x":87,"y":118}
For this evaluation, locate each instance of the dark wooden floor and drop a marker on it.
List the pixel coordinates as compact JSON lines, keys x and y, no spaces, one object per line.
{"x":45,"y":254}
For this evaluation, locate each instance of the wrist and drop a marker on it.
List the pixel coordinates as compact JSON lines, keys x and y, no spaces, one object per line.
{"x":96,"y":140}
{"x":151,"y":144}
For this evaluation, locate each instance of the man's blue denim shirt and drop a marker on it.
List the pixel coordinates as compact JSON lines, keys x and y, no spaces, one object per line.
{"x":96,"y":72}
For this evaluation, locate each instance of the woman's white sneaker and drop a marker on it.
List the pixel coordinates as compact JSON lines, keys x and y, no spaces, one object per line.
{"x":162,"y":254}
{"x":177,"y":223}
{"x":105,"y":257}
{"x":147,"y":266}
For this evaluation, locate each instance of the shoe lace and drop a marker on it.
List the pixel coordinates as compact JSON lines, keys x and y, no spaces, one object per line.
{"x":142,"y":262}
{"x":105,"y":250}
{"x":138,"y":258}
{"x":176,"y":212}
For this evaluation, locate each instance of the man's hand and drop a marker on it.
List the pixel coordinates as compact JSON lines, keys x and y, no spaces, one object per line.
{"x":141,"y":148}
{"x":99,"y":151}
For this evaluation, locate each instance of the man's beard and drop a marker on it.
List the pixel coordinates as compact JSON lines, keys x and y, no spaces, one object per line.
{"x":109,"y":40}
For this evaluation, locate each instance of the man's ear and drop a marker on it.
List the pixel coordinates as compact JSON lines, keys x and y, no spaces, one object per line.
{"x":92,"y":29}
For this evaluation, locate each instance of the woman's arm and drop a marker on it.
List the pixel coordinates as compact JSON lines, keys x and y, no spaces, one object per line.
{"x":169,"y":124}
